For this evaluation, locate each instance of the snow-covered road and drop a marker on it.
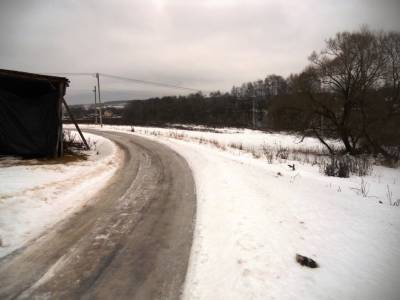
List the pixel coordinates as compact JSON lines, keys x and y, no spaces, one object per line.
{"x":253,"y":216}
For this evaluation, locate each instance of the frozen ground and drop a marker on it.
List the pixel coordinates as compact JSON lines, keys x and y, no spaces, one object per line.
{"x":34,"y":195}
{"x":254,"y":216}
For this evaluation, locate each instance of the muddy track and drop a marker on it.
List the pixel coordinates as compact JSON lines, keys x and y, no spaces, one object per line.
{"x":132,"y":241}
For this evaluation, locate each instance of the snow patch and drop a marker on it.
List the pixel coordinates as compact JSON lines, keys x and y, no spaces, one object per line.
{"x":34,"y":197}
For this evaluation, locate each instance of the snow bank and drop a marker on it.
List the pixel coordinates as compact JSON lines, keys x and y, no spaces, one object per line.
{"x":251,"y":222}
{"x":253,"y":217}
{"x":35,"y":195}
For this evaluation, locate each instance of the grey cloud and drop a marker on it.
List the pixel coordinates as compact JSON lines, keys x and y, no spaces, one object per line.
{"x":204,"y":44}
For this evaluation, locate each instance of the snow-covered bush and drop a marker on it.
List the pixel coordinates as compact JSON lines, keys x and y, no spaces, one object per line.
{"x":282,"y":153}
{"x":72,"y":144}
{"x":337,"y":167}
{"x":343,"y":166}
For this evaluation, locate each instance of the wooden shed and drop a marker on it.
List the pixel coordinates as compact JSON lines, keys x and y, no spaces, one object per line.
{"x":31,"y":114}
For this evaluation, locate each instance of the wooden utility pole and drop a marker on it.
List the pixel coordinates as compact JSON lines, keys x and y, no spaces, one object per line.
{"x":254,"y":112}
{"x":95,"y":105}
{"x":98,"y":90}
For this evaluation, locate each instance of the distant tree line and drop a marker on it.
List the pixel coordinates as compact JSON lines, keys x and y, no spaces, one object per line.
{"x":216,"y":110}
{"x":244,"y":106}
{"x":349,"y":91}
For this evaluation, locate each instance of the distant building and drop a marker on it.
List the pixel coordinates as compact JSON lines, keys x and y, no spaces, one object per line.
{"x":108,"y":113}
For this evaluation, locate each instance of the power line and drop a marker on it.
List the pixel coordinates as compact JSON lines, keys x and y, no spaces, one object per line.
{"x":150,"y":82}
{"x":129,"y":79}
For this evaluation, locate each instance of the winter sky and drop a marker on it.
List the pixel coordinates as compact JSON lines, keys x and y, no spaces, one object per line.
{"x":207,"y":45}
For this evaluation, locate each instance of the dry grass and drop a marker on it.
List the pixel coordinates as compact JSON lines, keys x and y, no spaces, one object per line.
{"x":360,"y":166}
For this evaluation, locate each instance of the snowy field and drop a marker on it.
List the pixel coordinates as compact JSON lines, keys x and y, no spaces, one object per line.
{"x":34,"y":195}
{"x":232,"y":139}
{"x":253,"y":216}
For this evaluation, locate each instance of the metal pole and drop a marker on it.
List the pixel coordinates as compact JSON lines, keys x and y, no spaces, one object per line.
{"x":98,"y":90}
{"x":95,"y":105}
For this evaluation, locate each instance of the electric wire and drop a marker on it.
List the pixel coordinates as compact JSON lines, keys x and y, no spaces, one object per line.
{"x":155,"y":83}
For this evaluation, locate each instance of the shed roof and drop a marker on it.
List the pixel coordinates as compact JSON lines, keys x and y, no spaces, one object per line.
{"x":33,"y":76}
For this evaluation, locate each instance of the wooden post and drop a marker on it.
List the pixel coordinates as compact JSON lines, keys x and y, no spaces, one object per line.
{"x":95,"y":105}
{"x":253,"y":115}
{"x":98,"y":90}
{"x":76,"y":124}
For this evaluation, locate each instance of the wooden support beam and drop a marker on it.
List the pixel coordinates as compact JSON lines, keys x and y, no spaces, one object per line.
{"x":76,"y":124}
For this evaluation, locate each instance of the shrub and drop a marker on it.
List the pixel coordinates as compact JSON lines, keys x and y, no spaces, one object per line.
{"x":337,"y":167}
{"x":236,"y":146}
{"x":72,"y":144}
{"x":343,"y":166}
{"x":282,"y":153}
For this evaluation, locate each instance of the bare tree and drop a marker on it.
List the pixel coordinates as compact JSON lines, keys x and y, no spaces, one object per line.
{"x":382,"y":111}
{"x":391,"y":48}
{"x":344,"y":82}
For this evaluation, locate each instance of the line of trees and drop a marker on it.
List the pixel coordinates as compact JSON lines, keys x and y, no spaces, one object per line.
{"x":216,"y":110}
{"x":244,"y":106}
{"x":349,"y":91}
{"x":272,"y":85}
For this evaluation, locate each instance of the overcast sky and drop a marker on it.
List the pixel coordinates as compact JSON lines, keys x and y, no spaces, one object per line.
{"x":207,"y":45}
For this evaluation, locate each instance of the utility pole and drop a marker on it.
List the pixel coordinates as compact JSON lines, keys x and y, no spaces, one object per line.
{"x":98,"y":90}
{"x":95,"y":105}
{"x":254,"y":111}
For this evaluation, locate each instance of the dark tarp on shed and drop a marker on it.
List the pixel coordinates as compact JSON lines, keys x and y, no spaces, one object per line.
{"x":30,"y":114}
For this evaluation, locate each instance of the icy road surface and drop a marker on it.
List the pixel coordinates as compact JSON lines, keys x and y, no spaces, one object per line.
{"x":131,"y":241}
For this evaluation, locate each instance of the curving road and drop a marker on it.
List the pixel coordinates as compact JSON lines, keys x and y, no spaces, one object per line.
{"x":132,"y":241}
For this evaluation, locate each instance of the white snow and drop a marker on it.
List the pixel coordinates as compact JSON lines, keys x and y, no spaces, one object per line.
{"x":35,"y":195}
{"x":249,"y":140}
{"x":253,"y":216}
{"x":251,"y":221}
